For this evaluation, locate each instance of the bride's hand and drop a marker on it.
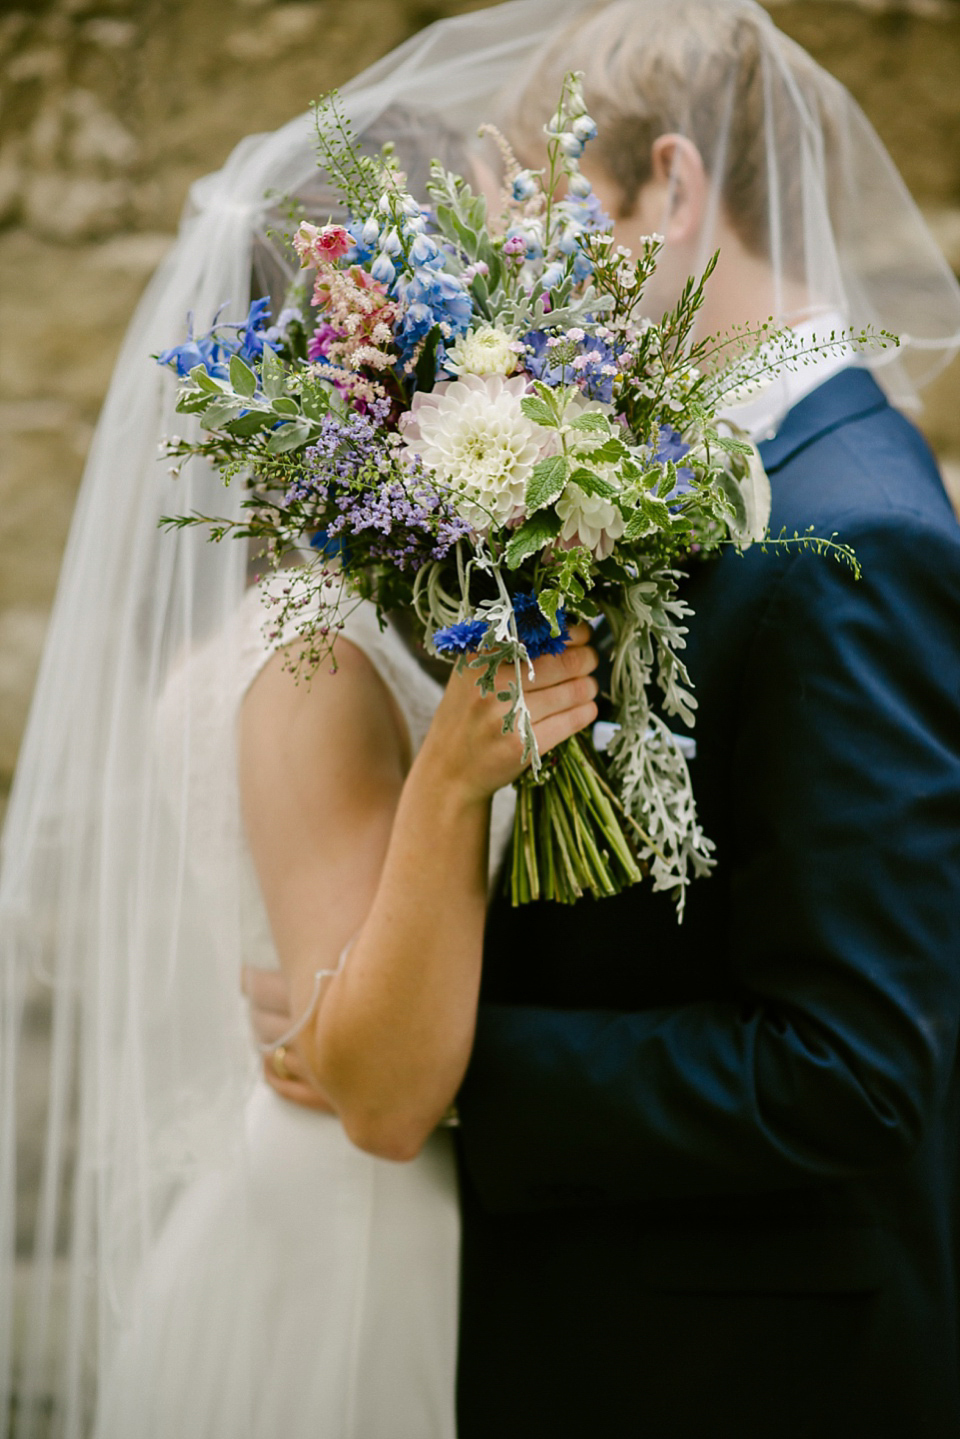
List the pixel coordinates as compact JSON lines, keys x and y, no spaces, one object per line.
{"x":466,"y":746}
{"x":268,"y":994}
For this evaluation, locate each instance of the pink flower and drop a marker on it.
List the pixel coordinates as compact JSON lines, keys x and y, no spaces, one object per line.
{"x":320,"y":246}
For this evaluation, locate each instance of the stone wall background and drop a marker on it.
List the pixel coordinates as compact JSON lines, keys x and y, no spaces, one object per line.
{"x":110,"y":108}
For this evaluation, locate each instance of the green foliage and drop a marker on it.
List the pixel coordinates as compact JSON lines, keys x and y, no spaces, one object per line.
{"x":547,"y":481}
{"x":356,"y":176}
{"x":531,"y":537}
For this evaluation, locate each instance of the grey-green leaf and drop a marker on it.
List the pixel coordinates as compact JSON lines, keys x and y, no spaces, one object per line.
{"x":219,"y":412}
{"x":204,"y":381}
{"x":531,"y":537}
{"x":289,"y":437}
{"x":547,"y":482}
{"x":271,"y":374}
{"x":242,"y":378}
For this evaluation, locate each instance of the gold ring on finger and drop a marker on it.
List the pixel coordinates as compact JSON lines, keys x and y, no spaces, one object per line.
{"x":279,"y":1061}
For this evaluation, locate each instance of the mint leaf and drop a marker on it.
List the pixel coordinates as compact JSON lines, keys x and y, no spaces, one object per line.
{"x":592,"y":422}
{"x":531,"y":537}
{"x":547,"y":482}
{"x":539,"y":412}
{"x":593,"y":484}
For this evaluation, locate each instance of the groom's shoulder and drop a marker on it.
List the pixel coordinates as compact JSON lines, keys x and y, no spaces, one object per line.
{"x":845,"y":460}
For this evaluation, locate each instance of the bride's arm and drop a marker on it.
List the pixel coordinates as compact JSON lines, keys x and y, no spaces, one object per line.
{"x":348,"y":843}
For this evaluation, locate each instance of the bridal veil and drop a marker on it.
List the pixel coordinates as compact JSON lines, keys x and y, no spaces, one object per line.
{"x":120,"y":885}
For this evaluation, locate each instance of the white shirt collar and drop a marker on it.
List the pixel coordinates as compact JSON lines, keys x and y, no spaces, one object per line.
{"x":763,"y":413}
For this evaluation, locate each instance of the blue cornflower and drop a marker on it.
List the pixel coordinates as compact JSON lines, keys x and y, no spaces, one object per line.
{"x":464,"y":638}
{"x":533,"y":627}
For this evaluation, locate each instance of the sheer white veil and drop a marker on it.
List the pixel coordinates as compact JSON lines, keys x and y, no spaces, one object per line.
{"x":122,"y":884}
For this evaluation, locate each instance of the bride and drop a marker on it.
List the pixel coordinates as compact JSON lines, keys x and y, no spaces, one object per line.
{"x":238,"y":1266}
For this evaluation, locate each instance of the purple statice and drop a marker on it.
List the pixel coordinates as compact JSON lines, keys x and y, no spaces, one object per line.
{"x":464,"y":638}
{"x":533,"y":627}
{"x":405,"y":524}
{"x":593,"y":367}
{"x":373,"y":500}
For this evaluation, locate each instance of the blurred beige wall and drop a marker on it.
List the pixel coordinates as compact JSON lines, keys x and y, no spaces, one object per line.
{"x":109,"y":108}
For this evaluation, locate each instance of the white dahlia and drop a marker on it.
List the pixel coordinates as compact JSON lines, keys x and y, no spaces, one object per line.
{"x":474,"y":435}
{"x":484,"y":351}
{"x":589,"y":520}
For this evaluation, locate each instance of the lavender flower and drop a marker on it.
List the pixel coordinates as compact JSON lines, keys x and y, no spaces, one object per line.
{"x":355,"y":487}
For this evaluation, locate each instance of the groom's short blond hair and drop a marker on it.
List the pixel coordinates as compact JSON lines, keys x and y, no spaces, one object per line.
{"x":716,"y":71}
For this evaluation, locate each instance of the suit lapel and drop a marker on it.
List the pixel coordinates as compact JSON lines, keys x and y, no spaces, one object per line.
{"x":846,"y":396}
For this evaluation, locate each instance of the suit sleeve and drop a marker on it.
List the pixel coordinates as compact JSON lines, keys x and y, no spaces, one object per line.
{"x":844,"y":929}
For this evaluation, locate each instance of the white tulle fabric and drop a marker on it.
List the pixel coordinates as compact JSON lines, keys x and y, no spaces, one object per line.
{"x":168,"y":1173}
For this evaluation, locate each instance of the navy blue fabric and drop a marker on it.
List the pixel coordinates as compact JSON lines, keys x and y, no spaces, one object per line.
{"x":710,"y":1173}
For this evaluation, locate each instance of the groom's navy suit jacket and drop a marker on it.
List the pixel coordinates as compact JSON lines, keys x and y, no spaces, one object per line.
{"x":711,"y":1174}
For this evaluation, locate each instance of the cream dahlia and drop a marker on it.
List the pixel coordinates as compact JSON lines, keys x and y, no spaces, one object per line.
{"x":473,"y":434}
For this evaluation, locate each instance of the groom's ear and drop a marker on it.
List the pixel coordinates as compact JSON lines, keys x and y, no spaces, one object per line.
{"x":679,"y":173}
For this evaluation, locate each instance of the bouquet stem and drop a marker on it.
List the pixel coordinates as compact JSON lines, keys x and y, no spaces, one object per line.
{"x":570,"y":831}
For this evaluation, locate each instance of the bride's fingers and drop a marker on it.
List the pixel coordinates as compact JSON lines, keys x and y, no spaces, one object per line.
{"x":561,"y":725}
{"x":296,"y":1090}
{"x":549,"y":670}
{"x":269,"y":1028}
{"x":570,"y":694}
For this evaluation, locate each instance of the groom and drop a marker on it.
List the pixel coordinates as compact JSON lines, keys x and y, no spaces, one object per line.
{"x":710,"y":1174}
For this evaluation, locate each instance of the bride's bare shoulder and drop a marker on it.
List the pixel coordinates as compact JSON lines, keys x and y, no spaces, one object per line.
{"x":327,"y":727}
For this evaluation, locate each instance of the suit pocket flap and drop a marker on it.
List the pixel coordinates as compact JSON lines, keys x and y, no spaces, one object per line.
{"x":814,"y":1261}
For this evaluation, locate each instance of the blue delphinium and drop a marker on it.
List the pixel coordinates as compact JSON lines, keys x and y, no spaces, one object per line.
{"x":251,"y":335}
{"x":671,"y":446}
{"x":533,"y":627}
{"x":214,"y":349}
{"x":593,"y":369}
{"x":433,"y":297}
{"x":463,"y":638}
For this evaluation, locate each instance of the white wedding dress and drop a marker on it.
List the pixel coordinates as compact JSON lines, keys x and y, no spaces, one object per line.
{"x":300,"y":1288}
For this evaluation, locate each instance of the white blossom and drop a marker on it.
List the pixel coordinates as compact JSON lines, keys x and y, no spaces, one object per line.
{"x":589,"y":520}
{"x":483,"y":351}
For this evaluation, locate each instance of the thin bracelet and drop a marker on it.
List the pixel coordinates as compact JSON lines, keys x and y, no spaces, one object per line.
{"x":304,"y":1019}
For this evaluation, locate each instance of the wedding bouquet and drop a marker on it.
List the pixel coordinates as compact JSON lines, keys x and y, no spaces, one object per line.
{"x":471,"y":421}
